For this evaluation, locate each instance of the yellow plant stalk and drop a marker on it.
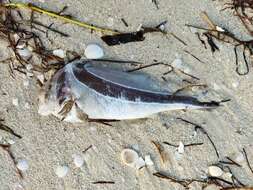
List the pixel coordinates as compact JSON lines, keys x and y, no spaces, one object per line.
{"x":63,"y":18}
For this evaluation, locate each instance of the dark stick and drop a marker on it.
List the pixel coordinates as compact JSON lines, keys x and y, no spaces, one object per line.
{"x":193,"y":56}
{"x":88,"y":148}
{"x":246,"y":157}
{"x":186,"y":145}
{"x":203,"y":131}
{"x":8,"y":129}
{"x":103,"y":182}
{"x":124,"y":22}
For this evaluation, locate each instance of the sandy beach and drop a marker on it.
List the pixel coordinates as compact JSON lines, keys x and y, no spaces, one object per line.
{"x":48,"y":142}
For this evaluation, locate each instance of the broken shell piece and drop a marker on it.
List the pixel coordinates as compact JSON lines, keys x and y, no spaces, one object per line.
{"x":22,"y":165}
{"x":180,"y":148}
{"x":215,"y":171}
{"x":148,"y":160}
{"x":59,"y":53}
{"x":61,"y":171}
{"x":15,"y":102}
{"x":227,"y":176}
{"x":78,"y":160}
{"x":218,"y":28}
{"x":129,"y":157}
{"x":41,"y":78}
{"x":94,"y":51}
{"x":25,"y":53}
{"x":140,"y":163}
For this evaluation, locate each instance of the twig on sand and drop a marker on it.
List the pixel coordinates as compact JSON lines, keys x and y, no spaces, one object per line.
{"x":247,"y":160}
{"x":198,"y":127}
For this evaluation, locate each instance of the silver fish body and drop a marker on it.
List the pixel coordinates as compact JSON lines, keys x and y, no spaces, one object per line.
{"x":108,"y":94}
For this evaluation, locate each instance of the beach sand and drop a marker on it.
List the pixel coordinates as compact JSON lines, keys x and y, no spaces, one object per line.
{"x":48,"y":142}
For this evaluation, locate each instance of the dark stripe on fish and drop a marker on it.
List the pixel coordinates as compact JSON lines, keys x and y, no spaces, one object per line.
{"x":111,"y":89}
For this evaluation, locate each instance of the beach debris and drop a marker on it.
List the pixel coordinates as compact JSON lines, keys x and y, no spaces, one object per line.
{"x":6,"y":147}
{"x":124,"y":22}
{"x":96,"y":81}
{"x":59,"y":16}
{"x":22,"y":165}
{"x":130,"y":157}
{"x":140,"y":163}
{"x":15,"y":102}
{"x":62,"y":171}
{"x":198,"y":127}
{"x":59,"y":53}
{"x":163,"y":155}
{"x":230,"y":162}
{"x":223,"y":35}
{"x":185,"y":145}
{"x":103,"y":182}
{"x":247,"y":160}
{"x":215,"y":171}
{"x":155,"y":3}
{"x":94,"y":51}
{"x":88,"y":148}
{"x":8,"y":129}
{"x":11,"y":141}
{"x":24,"y":53}
{"x":180,"y":148}
{"x":148,"y":160}
{"x":78,"y":160}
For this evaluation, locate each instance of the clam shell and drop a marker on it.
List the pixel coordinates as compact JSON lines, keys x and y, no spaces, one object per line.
{"x":129,"y":157}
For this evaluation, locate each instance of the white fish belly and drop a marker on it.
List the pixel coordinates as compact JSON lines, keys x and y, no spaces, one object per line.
{"x":98,"y":106}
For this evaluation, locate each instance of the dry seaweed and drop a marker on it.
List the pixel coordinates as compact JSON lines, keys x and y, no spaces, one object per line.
{"x":163,"y":155}
{"x":247,"y":160}
{"x":8,"y":129}
{"x":103,"y":182}
{"x":185,"y":145}
{"x":198,"y":127}
{"x":223,"y":35}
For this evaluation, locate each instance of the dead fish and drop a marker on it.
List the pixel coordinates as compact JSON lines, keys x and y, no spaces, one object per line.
{"x":83,"y":89}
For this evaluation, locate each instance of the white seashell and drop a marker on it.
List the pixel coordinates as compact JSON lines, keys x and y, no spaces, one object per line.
{"x":41,"y":78}
{"x":227,"y":176}
{"x":148,"y":160}
{"x":94,"y":51}
{"x":129,"y":157}
{"x":218,"y":28}
{"x":10,"y":141}
{"x":215,"y":171}
{"x":25,"y":53}
{"x":110,"y":22}
{"x":27,"y":105}
{"x":180,"y":148}
{"x":78,"y":160}
{"x":139,"y":163}
{"x":61,"y":171}
{"x":59,"y":53}
{"x":26,"y":83}
{"x":29,"y":67}
{"x":22,"y":165}
{"x":15,"y":102}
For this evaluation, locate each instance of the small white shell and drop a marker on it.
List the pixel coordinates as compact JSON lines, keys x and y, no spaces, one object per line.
{"x":78,"y":160}
{"x":139,"y":163}
{"x":215,"y":171}
{"x":220,"y":29}
{"x":15,"y":101}
{"x":22,"y":165}
{"x":148,"y":160}
{"x":25,"y":53}
{"x":11,"y":142}
{"x":59,"y":53}
{"x":94,"y":51}
{"x":180,"y":148}
{"x":129,"y":157}
{"x":61,"y":171}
